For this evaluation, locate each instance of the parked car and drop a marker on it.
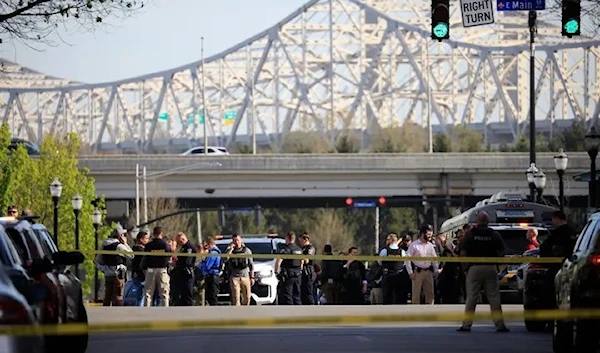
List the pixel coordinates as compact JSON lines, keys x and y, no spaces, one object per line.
{"x":522,"y":270}
{"x":49,"y":267}
{"x":32,"y":148}
{"x":16,"y":311}
{"x":577,"y":287}
{"x":212,"y":151}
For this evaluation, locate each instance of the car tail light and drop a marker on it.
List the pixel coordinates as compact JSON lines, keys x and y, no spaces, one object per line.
{"x":595,"y":260}
{"x":12,"y":312}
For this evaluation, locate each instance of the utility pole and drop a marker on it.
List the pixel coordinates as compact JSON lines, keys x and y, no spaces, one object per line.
{"x":204,"y":110}
{"x":532,"y":32}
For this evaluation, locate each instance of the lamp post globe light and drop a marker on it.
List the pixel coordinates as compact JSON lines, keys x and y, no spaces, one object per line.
{"x":540,"y":184}
{"x":561,"y":161}
{"x":531,"y":180}
{"x":592,"y":143}
{"x":77,"y":203}
{"x":55,"y":192}
{"x":97,"y":221}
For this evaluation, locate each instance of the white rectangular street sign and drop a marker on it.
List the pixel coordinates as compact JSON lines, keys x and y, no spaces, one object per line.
{"x":477,"y":12}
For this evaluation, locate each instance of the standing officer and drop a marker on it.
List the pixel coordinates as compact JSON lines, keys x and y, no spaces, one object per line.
{"x":393,"y":292}
{"x":483,"y":241}
{"x":156,"y":268}
{"x":241,"y":275}
{"x":309,"y":275}
{"x":211,"y":268}
{"x":289,"y":272}
{"x":184,"y":272}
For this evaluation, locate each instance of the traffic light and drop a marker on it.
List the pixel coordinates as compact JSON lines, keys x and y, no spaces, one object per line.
{"x":440,"y":19}
{"x":381,"y":202}
{"x":571,"y":18}
{"x":349,"y":205}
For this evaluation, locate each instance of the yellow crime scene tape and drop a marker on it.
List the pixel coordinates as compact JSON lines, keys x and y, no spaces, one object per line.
{"x":74,"y":329}
{"x":495,"y":260}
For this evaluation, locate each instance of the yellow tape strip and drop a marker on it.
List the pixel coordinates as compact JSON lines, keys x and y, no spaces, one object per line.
{"x":497,"y":260}
{"x":72,"y":329}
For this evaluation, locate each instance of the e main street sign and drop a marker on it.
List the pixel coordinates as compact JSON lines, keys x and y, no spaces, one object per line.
{"x":521,"y":5}
{"x":477,"y":12}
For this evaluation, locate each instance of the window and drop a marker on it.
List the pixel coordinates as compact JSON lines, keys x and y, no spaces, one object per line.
{"x":46,"y":241}
{"x":221,"y":149}
{"x":34,"y":246}
{"x":19,"y":244}
{"x":11,"y":256}
{"x":515,"y":240}
{"x":586,"y":235}
{"x":198,"y":151}
{"x":256,"y":248}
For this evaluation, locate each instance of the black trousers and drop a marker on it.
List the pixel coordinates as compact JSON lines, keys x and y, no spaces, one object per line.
{"x":394,"y":288}
{"x":289,"y":292}
{"x":184,"y":290}
{"x":211,"y":289}
{"x":306,"y":288}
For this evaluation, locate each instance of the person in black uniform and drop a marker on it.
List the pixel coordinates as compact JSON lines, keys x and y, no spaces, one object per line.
{"x":156,"y":268}
{"x":355,"y":280}
{"x":289,"y":272}
{"x":183,"y":272}
{"x":560,"y":243}
{"x":483,"y":241}
{"x":309,"y":275}
{"x":393,"y":289}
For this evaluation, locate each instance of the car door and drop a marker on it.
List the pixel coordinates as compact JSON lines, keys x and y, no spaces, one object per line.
{"x":565,"y":277}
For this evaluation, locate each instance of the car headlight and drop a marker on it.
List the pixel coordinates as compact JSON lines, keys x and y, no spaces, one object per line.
{"x":263,"y":273}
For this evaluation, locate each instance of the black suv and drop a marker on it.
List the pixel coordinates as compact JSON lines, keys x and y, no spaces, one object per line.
{"x":578,"y":287}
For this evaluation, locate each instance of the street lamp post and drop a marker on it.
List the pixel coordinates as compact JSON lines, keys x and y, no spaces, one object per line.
{"x":531,"y":180}
{"x":592,"y":143}
{"x":96,"y":221}
{"x":77,"y":203}
{"x":55,"y":191}
{"x":540,"y":184}
{"x":561,"y":161}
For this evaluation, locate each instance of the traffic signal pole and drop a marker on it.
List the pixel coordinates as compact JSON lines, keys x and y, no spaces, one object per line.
{"x":532,"y":31}
{"x":377,"y":229}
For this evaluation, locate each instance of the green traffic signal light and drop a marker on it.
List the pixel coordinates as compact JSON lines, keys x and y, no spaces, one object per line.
{"x":571,"y":26}
{"x":440,"y":30}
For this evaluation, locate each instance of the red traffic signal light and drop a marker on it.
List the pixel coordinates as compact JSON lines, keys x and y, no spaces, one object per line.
{"x":349,"y":202}
{"x":381,"y":201}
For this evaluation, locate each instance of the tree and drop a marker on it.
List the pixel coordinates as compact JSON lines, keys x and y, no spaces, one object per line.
{"x":410,"y":137}
{"x":347,"y":144}
{"x":304,"y":142}
{"x":442,"y":143}
{"x":25,"y":182}
{"x":35,"y":20}
{"x":329,"y":228}
{"x":466,"y":140}
{"x":158,"y":207}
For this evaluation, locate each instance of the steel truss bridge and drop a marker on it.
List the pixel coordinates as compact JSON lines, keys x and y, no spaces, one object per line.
{"x":331,"y":66}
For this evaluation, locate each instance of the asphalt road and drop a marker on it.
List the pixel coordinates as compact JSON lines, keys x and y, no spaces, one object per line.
{"x":414,"y":338}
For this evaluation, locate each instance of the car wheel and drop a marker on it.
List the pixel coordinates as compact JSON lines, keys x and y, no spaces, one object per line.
{"x":535,"y":326}
{"x":562,"y":337}
{"x":584,"y":338}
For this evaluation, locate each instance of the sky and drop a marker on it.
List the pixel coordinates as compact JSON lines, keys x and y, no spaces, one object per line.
{"x":165,"y":34}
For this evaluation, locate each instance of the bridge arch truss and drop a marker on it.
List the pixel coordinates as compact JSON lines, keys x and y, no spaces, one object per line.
{"x":331,"y":66}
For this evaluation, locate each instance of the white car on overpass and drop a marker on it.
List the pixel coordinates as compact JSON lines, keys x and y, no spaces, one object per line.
{"x":212,"y":151}
{"x":264,"y":290}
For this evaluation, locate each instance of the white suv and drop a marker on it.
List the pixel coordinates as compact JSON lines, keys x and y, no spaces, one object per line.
{"x":264,"y":290}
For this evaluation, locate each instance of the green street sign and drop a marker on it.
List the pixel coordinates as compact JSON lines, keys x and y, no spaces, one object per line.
{"x":440,"y":30}
{"x":230,"y":115}
{"x":200,"y":116}
{"x":163,"y":116}
{"x":572,"y":26}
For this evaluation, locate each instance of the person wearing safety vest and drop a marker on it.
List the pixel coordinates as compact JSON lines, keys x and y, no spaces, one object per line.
{"x":241,"y":275}
{"x":113,"y":266}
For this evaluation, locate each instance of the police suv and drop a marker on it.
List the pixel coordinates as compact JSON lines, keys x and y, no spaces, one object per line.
{"x":264,"y":290}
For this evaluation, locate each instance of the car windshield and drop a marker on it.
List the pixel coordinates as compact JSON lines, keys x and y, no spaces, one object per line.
{"x":11,"y":252}
{"x":515,"y":240}
{"x":256,"y":248}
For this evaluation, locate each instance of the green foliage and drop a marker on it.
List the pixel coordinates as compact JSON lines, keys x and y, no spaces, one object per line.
{"x":466,"y":140}
{"x":25,"y":182}
{"x":442,"y":143}
{"x":36,"y":20}
{"x":409,"y":138}
{"x":347,"y":144}
{"x":304,"y":142}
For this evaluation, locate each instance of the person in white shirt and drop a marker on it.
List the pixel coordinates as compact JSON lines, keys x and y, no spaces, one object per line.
{"x":422,"y":273}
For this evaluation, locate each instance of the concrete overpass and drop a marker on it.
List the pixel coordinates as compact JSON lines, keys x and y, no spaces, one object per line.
{"x":328,"y":175}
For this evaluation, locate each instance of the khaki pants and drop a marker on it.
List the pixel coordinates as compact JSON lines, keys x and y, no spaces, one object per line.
{"x":483,"y":277}
{"x":240,"y":286}
{"x":423,"y":280}
{"x":376,"y":296}
{"x":157,"y":277}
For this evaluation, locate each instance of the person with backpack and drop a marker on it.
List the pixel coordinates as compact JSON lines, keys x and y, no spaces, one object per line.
{"x":241,"y":276}
{"x":211,"y":268}
{"x":113,"y":266}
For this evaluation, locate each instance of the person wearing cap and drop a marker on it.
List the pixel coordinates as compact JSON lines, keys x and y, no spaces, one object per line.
{"x":113,"y":266}
{"x":422,"y":273}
